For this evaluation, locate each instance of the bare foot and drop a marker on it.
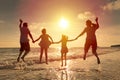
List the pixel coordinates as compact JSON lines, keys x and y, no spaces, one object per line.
{"x":22,"y":59}
{"x":18,"y":59}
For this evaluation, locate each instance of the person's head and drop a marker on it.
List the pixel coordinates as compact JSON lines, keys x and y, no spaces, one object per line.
{"x":64,"y":37}
{"x":25,"y":24}
{"x":43,"y":31}
{"x":88,"y":23}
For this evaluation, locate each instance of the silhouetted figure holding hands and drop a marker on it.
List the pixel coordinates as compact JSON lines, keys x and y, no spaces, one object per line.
{"x":44,"y":44}
{"x":24,"y":41}
{"x":64,"y":49}
{"x":91,"y":38}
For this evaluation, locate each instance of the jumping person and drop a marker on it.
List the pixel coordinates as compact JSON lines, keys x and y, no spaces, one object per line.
{"x":91,"y":38}
{"x":24,"y":41}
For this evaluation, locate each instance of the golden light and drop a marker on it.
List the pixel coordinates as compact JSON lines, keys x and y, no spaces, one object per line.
{"x":63,"y":23}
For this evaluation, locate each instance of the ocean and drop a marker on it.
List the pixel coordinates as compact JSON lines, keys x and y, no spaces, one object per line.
{"x":53,"y":53}
{"x":76,"y":69}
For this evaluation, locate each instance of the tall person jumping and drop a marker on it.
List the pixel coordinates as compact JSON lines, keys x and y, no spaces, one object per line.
{"x":24,"y":41}
{"x":91,"y":38}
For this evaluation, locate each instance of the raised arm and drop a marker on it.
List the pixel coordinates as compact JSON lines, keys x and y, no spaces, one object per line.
{"x":20,"y":25}
{"x":97,"y":24}
{"x":81,"y":34}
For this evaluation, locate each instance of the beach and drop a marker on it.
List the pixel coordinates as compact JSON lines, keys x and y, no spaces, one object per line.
{"x":76,"y":69}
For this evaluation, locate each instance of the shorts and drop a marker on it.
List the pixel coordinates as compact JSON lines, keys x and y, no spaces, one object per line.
{"x":24,"y":46}
{"x":91,"y":43}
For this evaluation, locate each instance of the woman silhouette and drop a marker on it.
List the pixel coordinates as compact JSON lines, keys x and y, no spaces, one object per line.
{"x":91,"y":38}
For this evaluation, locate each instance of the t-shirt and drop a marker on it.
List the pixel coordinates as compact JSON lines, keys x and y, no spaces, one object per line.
{"x":24,"y":32}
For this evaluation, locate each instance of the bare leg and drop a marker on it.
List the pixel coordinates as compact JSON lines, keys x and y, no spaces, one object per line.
{"x":41,"y":53}
{"x":98,"y":60}
{"x":94,"y":48}
{"x":26,"y":52}
{"x":46,"y":55}
{"x":85,"y":55}
{"x":18,"y":59}
{"x":65,"y":59}
{"x":86,"y":48}
{"x":61,"y":59}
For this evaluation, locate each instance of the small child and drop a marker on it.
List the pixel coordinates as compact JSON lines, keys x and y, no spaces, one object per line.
{"x":44,"y":44}
{"x":64,"y":49}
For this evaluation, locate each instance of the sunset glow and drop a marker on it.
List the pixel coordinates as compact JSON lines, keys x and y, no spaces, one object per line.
{"x":59,"y":17}
{"x":63,"y":23}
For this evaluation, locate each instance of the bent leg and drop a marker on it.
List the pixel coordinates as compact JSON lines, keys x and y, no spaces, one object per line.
{"x":18,"y":59}
{"x":94,"y":48}
{"x":26,"y":52}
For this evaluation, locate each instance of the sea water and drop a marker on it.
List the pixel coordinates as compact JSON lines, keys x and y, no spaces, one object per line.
{"x":53,"y":53}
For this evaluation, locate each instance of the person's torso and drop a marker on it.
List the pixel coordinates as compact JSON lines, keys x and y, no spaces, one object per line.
{"x":64,"y":43}
{"x":24,"y":34}
{"x":91,"y":33}
{"x":44,"y":38}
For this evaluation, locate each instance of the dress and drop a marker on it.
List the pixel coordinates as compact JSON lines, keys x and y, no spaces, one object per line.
{"x":44,"y":43}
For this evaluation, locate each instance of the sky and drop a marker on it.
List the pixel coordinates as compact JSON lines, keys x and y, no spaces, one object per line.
{"x":48,"y":13}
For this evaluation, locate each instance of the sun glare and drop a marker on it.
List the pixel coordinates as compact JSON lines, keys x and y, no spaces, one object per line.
{"x":63,"y":23}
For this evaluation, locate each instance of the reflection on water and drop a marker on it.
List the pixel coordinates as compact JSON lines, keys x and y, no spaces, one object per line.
{"x":64,"y":75}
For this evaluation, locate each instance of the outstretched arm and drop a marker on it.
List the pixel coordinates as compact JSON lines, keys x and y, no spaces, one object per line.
{"x":51,"y":38}
{"x":81,"y":34}
{"x":37,"y":39}
{"x":20,"y":25}
{"x":57,"y":42}
{"x":72,"y":39}
{"x":31,"y":36}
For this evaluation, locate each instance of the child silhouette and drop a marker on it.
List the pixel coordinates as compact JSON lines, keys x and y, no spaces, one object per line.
{"x":44,"y":44}
{"x":64,"y":49}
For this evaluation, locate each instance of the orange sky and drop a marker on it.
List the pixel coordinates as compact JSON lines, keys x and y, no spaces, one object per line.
{"x":45,"y":13}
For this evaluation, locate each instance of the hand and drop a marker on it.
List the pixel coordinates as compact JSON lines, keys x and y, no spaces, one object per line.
{"x":20,"y":20}
{"x":76,"y":38}
{"x":33,"y":41}
{"x":96,"y":19}
{"x":52,"y":42}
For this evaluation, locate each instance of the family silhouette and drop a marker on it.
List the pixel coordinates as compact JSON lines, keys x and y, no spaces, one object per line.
{"x":46,"y":40}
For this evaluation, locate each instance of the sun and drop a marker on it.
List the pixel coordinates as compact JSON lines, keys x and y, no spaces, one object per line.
{"x":63,"y":23}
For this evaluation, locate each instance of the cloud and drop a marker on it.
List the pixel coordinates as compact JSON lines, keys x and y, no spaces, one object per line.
{"x":112,"y":5}
{"x":86,"y":15}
